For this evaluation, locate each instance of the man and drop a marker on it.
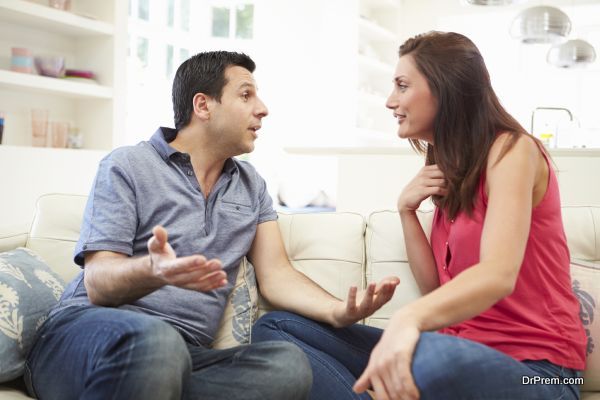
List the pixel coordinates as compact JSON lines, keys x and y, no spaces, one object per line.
{"x":138,"y":321}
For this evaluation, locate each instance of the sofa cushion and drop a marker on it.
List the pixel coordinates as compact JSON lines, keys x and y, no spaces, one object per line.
{"x":582,"y":228}
{"x":241,"y":311}
{"x":327,"y":247}
{"x":28,"y":289}
{"x":386,"y":255}
{"x":585,"y":277}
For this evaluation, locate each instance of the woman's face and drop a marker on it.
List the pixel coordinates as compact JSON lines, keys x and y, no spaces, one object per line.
{"x":413,"y":103}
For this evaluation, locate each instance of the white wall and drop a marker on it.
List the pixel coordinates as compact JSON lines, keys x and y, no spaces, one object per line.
{"x":370,"y":182}
{"x":27,"y":173}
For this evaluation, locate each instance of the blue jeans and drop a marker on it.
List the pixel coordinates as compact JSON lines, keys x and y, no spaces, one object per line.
{"x":444,"y":367}
{"x":88,"y":352}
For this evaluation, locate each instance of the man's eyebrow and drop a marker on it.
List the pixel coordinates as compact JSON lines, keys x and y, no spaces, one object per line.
{"x":247,"y":85}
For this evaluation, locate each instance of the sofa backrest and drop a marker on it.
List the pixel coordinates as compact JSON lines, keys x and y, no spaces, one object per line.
{"x":386,"y":255}
{"x":582,"y":227}
{"x":55,"y":231}
{"x":327,"y":247}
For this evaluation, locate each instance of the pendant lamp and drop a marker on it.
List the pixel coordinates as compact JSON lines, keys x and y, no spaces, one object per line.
{"x":541,"y":24}
{"x":573,"y":53}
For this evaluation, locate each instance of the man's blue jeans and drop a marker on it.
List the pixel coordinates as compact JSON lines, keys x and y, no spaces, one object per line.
{"x":88,"y":352}
{"x":444,"y":367}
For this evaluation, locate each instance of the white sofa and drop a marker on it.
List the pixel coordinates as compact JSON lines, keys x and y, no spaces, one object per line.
{"x":335,"y":249}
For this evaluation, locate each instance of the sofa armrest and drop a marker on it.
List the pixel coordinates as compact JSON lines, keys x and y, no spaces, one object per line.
{"x":11,"y":238}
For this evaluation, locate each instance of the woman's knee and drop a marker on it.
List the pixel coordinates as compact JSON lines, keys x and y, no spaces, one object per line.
{"x":267,"y":325}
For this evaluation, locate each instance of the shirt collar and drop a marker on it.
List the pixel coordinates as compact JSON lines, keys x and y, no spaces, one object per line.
{"x":163,"y":136}
{"x":160,"y":141}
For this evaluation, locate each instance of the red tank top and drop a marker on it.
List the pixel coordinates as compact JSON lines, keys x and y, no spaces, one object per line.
{"x":540,"y":319}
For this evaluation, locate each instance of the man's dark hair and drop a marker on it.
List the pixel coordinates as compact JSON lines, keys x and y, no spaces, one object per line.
{"x":203,"y":73}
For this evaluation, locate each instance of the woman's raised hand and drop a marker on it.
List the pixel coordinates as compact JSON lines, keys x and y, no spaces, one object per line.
{"x":428,"y":182}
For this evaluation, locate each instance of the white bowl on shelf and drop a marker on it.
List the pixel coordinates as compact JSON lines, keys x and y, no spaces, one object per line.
{"x":53,"y":66}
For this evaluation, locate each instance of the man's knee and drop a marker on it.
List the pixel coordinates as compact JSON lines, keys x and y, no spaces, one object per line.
{"x":289,"y":371}
{"x":157,"y":343}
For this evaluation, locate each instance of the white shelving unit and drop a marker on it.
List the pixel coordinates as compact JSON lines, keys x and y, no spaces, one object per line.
{"x":92,"y":36}
{"x":59,"y":87}
{"x":378,"y":40}
{"x":52,"y":20}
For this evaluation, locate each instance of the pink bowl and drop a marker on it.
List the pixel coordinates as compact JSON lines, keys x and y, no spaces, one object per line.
{"x":53,"y":66}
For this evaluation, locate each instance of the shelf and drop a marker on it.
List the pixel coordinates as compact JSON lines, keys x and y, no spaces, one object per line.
{"x":59,"y":153}
{"x":374,"y":32}
{"x":51,"y":20}
{"x":63,"y":87}
{"x":374,"y":65}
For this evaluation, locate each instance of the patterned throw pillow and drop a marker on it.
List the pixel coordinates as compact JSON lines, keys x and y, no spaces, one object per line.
{"x":240,"y":312}
{"x":28,"y":289}
{"x":585,"y":277}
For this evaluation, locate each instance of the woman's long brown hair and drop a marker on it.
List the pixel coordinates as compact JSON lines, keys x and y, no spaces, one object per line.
{"x":468,"y":118}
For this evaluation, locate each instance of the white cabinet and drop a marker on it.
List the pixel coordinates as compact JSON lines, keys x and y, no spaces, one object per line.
{"x":378,"y":41}
{"x":92,"y":36}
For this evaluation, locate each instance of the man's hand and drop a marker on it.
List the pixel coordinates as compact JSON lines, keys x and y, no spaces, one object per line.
{"x":192,"y":272}
{"x":361,"y":305}
{"x":388,"y":372}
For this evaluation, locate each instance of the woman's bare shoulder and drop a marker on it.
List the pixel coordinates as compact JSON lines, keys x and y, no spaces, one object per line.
{"x":507,"y":145}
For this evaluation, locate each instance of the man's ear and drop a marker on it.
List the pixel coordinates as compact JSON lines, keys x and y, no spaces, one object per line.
{"x":202,"y":105}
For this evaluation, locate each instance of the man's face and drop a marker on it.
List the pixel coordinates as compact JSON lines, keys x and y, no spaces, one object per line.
{"x":235,"y":121}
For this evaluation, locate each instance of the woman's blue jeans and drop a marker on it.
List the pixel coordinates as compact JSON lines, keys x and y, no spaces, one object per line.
{"x":87,"y":352}
{"x":444,"y":367}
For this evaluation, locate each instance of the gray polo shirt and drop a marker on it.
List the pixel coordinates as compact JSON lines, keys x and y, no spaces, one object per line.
{"x":138,"y":187}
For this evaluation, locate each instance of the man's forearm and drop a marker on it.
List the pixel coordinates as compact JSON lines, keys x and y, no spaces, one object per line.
{"x":293,"y":291}
{"x":112,"y":281}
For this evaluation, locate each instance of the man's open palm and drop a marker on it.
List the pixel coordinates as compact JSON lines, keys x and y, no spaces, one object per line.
{"x":191,"y":272}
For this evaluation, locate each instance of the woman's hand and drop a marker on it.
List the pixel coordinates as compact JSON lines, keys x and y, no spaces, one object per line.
{"x":428,"y":182}
{"x":389,"y":370}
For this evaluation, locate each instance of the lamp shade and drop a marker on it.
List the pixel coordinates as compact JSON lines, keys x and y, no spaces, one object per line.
{"x":541,"y":24}
{"x":572,"y":53}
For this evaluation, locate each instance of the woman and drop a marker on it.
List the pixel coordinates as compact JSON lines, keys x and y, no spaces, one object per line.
{"x":497,"y":303}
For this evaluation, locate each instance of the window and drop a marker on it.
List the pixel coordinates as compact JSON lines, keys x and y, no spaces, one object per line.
{"x":144,"y":10}
{"x":142,"y":51}
{"x":171,"y":13}
{"x":244,"y":21}
{"x":184,"y":54}
{"x":169,"y":66}
{"x":233,"y":21}
{"x":220,"y":22}
{"x":185,"y":15}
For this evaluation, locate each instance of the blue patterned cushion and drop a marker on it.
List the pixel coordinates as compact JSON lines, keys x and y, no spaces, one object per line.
{"x":585,"y":276}
{"x":240,"y":312}
{"x":28,"y":289}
